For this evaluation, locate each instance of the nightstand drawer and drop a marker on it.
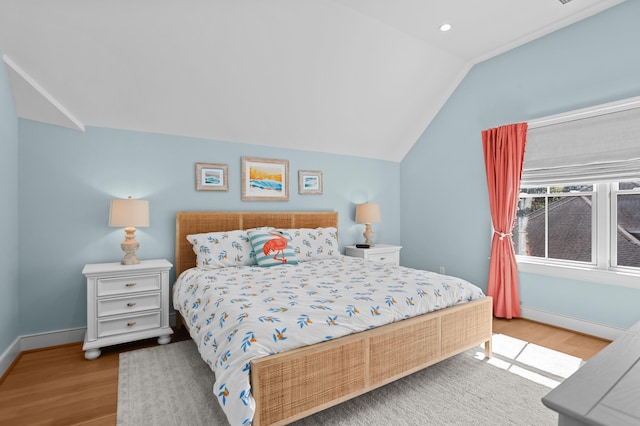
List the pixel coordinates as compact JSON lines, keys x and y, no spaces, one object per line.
{"x":389,"y":257}
{"x":123,"y":305}
{"x":109,"y":327}
{"x":130,"y":284}
{"x":386,"y":254}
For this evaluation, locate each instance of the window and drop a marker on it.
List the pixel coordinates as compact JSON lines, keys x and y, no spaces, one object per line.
{"x":626,"y":227}
{"x":588,"y":225}
{"x":579,"y":204}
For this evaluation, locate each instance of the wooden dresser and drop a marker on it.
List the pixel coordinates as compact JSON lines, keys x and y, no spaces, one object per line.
{"x":604,"y":391}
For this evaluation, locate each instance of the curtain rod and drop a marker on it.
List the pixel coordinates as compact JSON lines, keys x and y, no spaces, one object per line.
{"x":579,"y":114}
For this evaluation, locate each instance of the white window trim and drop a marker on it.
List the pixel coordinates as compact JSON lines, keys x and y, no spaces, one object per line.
{"x":600,"y":272}
{"x":587,"y":273}
{"x":613,"y":228}
{"x":580,"y":114}
{"x":604,"y":241}
{"x":595,"y":196}
{"x":605,"y":232}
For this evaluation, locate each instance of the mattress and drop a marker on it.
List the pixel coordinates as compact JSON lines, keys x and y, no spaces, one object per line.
{"x":237,"y":314}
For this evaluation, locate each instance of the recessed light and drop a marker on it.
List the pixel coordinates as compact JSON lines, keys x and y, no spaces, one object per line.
{"x":445,"y":27}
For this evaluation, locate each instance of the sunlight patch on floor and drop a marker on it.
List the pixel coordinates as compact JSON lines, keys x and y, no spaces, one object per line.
{"x":545,"y":359}
{"x":533,"y":362}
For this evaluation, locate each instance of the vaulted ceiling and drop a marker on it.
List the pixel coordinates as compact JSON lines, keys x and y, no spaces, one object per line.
{"x":354,"y":77}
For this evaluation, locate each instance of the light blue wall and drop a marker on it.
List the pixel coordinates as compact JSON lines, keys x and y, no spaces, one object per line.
{"x":445,"y":212}
{"x":8,"y":214}
{"x":67,"y":179}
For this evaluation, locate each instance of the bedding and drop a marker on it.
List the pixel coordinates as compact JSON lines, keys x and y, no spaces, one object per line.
{"x":314,"y":243}
{"x":235,"y":248}
{"x":272,"y":247}
{"x":222,"y":249}
{"x":239,"y":313}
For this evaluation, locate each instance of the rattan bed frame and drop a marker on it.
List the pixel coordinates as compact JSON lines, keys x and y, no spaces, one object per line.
{"x":294,"y":384}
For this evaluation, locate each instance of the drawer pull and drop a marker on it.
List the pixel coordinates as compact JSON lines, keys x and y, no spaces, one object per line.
{"x":131,"y":304}
{"x":382,"y":258}
{"x":131,"y":324}
{"x":130,"y":284}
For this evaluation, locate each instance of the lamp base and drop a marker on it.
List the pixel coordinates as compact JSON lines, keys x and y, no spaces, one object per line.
{"x":368,"y":234}
{"x":130,"y":250}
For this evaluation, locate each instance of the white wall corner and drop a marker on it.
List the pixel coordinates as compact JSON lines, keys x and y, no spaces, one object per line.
{"x":9,"y":355}
{"x":38,"y":341}
{"x":33,"y":102}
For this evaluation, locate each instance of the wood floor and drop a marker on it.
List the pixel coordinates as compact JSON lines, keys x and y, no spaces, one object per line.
{"x":57,"y":386}
{"x":558,"y":339}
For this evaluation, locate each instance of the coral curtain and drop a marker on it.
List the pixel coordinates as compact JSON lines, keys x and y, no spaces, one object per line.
{"x":503,"y":157}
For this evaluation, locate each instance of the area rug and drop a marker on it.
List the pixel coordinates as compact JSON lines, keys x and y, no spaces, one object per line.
{"x":171,"y":385}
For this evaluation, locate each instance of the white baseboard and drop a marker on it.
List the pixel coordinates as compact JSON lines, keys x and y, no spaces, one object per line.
{"x":9,"y":355}
{"x":570,"y":323}
{"x":44,"y":340}
{"x":37,"y":341}
{"x":51,"y":338}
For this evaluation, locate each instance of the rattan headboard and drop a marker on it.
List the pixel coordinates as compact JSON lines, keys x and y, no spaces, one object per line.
{"x":200,"y":222}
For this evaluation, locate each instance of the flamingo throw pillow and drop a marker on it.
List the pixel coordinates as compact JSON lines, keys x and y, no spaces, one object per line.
{"x":272,"y":247}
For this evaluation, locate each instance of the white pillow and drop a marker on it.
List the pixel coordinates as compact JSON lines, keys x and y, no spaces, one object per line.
{"x":314,"y":243}
{"x":222,"y":249}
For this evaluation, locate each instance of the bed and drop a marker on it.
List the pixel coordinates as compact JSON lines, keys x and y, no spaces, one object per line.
{"x":292,"y":384}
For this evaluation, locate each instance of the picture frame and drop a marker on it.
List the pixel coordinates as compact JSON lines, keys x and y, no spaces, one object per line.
{"x":309,"y":182}
{"x":265,"y":179}
{"x":212,"y":177}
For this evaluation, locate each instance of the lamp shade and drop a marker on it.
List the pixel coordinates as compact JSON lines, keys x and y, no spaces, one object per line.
{"x":129,"y":213}
{"x":367,"y":213}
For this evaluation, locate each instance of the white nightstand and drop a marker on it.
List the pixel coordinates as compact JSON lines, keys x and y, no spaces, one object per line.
{"x":126,"y":303}
{"x":384,"y":253}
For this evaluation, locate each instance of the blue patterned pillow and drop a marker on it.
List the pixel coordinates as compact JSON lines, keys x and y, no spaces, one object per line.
{"x":314,"y":243}
{"x":222,"y":249}
{"x":272,"y":247}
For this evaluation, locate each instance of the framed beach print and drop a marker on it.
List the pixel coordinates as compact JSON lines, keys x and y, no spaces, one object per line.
{"x":211,"y":177}
{"x":309,"y":182}
{"x":265,"y":179}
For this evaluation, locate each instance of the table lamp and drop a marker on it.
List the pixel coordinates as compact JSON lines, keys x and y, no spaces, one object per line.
{"x":129,"y":213}
{"x":368,"y":213}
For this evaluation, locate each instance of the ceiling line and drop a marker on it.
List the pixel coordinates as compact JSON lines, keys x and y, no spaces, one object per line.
{"x":41,"y":90}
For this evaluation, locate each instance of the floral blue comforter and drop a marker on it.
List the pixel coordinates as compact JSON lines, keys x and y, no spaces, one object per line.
{"x":237,"y":314}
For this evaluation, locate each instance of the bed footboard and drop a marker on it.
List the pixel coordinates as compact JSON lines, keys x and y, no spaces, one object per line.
{"x":294,"y":384}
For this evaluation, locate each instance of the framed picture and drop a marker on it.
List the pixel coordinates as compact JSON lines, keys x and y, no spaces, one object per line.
{"x":309,"y":182}
{"x":265,"y":179}
{"x":211,"y":177}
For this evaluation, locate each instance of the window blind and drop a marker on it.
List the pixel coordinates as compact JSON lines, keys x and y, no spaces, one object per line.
{"x":600,"y":144}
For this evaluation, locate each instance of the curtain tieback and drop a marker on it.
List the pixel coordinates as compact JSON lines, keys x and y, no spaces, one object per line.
{"x":502,"y":234}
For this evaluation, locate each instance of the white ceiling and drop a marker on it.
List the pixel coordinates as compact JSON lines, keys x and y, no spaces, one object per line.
{"x":354,"y":77}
